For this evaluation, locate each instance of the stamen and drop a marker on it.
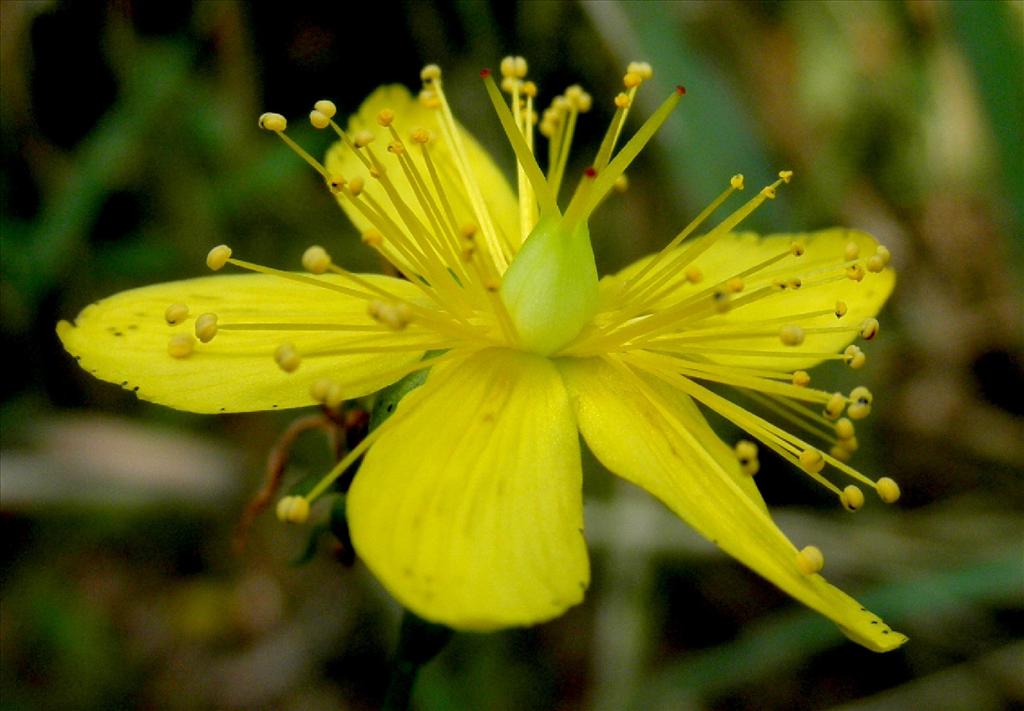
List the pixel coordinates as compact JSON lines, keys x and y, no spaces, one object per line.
{"x":746,"y":453}
{"x":218,"y":257}
{"x":583,"y":204}
{"x":287,"y":358}
{"x":181,"y":345}
{"x":860,"y":403}
{"x":852,"y":498}
{"x":888,"y":490}
{"x":810,"y":560}
{"x":206,"y":327}
{"x":293,"y":509}
{"x":175,"y":314}
{"x":316,"y":260}
{"x":395,"y":316}
{"x":869,"y":328}
{"x":855,"y":357}
{"x":791,"y":335}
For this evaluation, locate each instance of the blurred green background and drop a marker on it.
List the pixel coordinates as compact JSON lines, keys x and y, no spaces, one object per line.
{"x":130,"y":147}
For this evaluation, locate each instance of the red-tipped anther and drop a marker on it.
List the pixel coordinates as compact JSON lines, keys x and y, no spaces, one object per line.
{"x":484,"y":73}
{"x":680,"y":89}
{"x":590,"y":172}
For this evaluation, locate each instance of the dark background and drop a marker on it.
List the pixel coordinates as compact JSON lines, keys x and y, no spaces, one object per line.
{"x":130,"y":147}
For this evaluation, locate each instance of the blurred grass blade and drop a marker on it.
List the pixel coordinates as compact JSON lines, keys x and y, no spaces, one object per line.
{"x":787,"y":640}
{"x":992,"y":39}
{"x":157,"y":74}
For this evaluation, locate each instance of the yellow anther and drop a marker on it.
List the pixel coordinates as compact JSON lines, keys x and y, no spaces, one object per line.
{"x":888,"y":490}
{"x":736,"y":181}
{"x":521,"y":67}
{"x":530,"y":89}
{"x":319,"y":389}
{"x":642,"y":68}
{"x":621,"y":184}
{"x":206,"y":327}
{"x":722,"y":300}
{"x":363,"y":138}
{"x":810,"y":560}
{"x":218,"y":257}
{"x":875,"y":264}
{"x":176,"y":313}
{"x":385,"y":117}
{"x":840,"y":453}
{"x":509,"y":84}
{"x":429,"y":99}
{"x":845,"y":429}
{"x":797,"y":250}
{"x":860,"y":403}
{"x":507,"y":66}
{"x":431,"y":72}
{"x":420,"y":135}
{"x":181,"y":345}
{"x":335,"y":183}
{"x":355,"y":186}
{"x":850,"y":444}
{"x":855,"y":272}
{"x":394,"y":316}
{"x":622,"y":101}
{"x":746,"y":454}
{"x":883,"y":253}
{"x":735,"y":285}
{"x":791,"y":335}
{"x":632,"y":80}
{"x":840,"y":309}
{"x":287,"y":358}
{"x":396,"y":147}
{"x":801,"y":379}
{"x":694,"y":275}
{"x":293,"y":509}
{"x":786,"y":175}
{"x":335,"y":396}
{"x":326,"y":107}
{"x":811,"y":461}
{"x":573,"y":94}
{"x":768,"y":191}
{"x":852,"y":251}
{"x":468,"y":231}
{"x":273,"y":122}
{"x":560,"y":104}
{"x":835,"y":405}
{"x":319,"y":119}
{"x":316,"y":259}
{"x":584,"y":103}
{"x":869,"y":328}
{"x":855,"y":357}
{"x":852,"y":498}
{"x":372,"y":238}
{"x":794,"y":283}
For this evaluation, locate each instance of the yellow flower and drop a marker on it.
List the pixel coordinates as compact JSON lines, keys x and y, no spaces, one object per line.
{"x":467,"y":505}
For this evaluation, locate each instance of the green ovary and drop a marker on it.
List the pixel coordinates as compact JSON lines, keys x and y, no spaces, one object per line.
{"x":550,"y":289}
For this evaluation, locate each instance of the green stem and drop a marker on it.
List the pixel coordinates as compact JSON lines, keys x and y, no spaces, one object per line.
{"x":419,"y":641}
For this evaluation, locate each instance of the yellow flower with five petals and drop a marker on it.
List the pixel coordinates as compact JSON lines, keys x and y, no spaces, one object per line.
{"x":468,"y":504}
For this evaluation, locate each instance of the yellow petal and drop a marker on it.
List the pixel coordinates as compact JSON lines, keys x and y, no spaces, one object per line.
{"x":646,"y":438}
{"x":124,"y":339}
{"x":411,"y":115}
{"x":826,"y":249}
{"x":469,"y":508}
